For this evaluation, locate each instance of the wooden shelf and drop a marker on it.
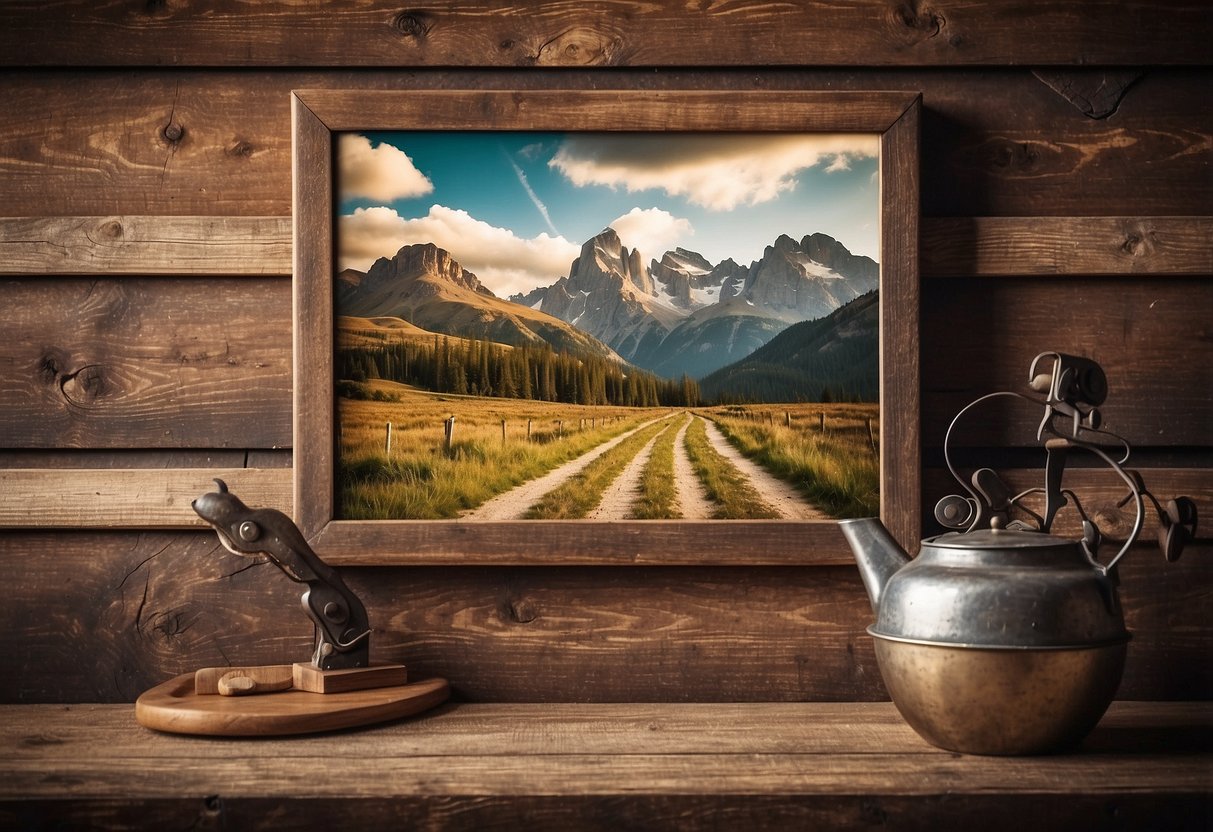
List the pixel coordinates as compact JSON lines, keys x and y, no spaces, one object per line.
{"x":841,"y":765}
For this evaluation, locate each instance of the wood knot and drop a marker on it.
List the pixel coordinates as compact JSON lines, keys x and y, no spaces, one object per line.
{"x":1138,"y":244}
{"x":1014,"y":155}
{"x":173,"y":132}
{"x":46,"y":370}
{"x":241,"y":149}
{"x":522,"y":611}
{"x":924,"y":24}
{"x":113,"y":230}
{"x":84,"y":386}
{"x":411,"y":24}
{"x":579,"y":46}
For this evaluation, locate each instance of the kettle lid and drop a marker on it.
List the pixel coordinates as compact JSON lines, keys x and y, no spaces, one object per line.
{"x":998,"y":539}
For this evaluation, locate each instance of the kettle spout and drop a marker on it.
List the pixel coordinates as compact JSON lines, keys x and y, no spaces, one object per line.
{"x":876,"y":552}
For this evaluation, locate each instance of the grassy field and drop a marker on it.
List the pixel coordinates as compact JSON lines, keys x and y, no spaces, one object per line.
{"x":420,"y":479}
{"x":837,"y":469}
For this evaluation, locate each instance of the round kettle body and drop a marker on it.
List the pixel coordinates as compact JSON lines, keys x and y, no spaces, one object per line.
{"x":1000,"y":641}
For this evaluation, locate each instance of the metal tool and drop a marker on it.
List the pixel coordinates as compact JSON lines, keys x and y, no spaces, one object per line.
{"x":1073,"y":389}
{"x":343,"y":631}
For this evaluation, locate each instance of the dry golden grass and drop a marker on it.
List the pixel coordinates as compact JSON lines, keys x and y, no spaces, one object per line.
{"x":838,"y":469}
{"x":420,"y":479}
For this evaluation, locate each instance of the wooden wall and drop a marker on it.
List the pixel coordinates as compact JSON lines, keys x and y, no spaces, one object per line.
{"x":145,"y":304}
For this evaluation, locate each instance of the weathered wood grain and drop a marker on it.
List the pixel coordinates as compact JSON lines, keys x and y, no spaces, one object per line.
{"x":100,"y":617}
{"x":1152,"y":338}
{"x":580,"y":542}
{"x":609,"y":110}
{"x":995,"y":143}
{"x":140,"y":245}
{"x":597,"y":766}
{"x":602,"y":33}
{"x":143,"y":363}
{"x":1018,"y":246}
{"x":137,"y":498}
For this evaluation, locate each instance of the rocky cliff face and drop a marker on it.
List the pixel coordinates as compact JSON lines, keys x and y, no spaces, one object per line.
{"x":806,"y":280}
{"x":609,"y":294}
{"x":685,"y":314}
{"x":424,"y":285}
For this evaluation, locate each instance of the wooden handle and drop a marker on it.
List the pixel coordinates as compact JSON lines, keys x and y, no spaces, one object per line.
{"x":241,"y":681}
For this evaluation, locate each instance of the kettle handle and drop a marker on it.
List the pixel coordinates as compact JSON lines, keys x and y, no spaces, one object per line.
{"x":1135,"y":495}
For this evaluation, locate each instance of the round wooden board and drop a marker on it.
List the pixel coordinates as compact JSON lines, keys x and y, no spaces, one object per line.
{"x":174,"y":707}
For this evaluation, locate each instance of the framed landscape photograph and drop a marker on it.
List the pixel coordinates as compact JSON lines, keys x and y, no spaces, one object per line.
{"x":604,"y":327}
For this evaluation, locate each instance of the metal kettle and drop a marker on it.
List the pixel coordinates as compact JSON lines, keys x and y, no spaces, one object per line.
{"x":1007,"y":639}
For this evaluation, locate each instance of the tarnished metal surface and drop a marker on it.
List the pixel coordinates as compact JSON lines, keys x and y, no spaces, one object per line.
{"x":1005,"y":639}
{"x":343,"y":631}
{"x":1000,"y":701}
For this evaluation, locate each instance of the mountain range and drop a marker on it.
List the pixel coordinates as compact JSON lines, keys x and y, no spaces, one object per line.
{"x":679,"y":314}
{"x":684,"y":314}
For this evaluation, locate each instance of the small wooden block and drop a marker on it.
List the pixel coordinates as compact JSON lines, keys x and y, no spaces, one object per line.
{"x":266,"y":678}
{"x":314,"y":680}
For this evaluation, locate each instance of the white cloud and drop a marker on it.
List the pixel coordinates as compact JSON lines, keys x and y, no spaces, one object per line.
{"x":717,"y":171}
{"x":503,"y":261}
{"x":382,"y":173}
{"x":652,"y":231}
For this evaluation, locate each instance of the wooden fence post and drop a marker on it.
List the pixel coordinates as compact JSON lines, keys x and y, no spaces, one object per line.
{"x":787,"y":418}
{"x":823,"y":421}
{"x":503,"y":431}
{"x":872,"y":438}
{"x":387,"y":444}
{"x":448,"y":429}
{"x":528,"y":430}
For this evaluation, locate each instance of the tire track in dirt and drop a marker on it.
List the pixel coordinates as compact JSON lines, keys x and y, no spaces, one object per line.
{"x":779,"y":495}
{"x":513,"y":504}
{"x":692,"y":502}
{"x":621,"y":495}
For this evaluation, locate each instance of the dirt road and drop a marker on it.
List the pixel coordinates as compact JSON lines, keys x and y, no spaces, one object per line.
{"x":512,"y":504}
{"x":621,"y":495}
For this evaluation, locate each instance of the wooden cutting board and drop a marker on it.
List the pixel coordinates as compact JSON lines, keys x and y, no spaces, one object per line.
{"x":174,"y":707}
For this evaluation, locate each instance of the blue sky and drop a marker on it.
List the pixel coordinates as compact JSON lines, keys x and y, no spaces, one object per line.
{"x":514,"y":208}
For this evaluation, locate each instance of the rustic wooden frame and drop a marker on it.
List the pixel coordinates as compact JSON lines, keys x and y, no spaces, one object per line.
{"x":317,"y":114}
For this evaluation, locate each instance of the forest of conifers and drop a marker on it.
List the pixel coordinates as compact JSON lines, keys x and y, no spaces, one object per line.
{"x":484,"y":368}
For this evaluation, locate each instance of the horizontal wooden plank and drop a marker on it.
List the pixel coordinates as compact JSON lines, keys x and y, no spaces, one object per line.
{"x":56,"y":498}
{"x":143,"y":363}
{"x":583,"y":543}
{"x":524,"y":729}
{"x":1017,"y":246}
{"x":141,"y":245}
{"x":607,"y":110}
{"x":995,"y":143}
{"x":100,"y":617}
{"x":165,"y":458}
{"x":602,"y":33}
{"x":776,"y":766}
{"x":1152,"y":338}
